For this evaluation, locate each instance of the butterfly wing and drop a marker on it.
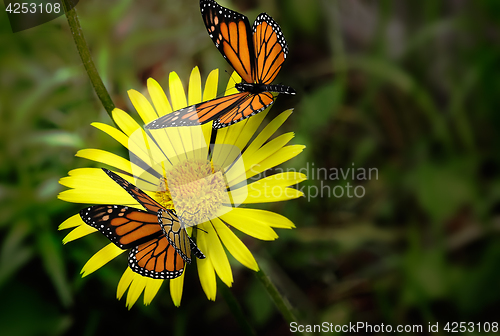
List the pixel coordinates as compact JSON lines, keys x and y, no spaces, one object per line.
{"x":156,"y":259}
{"x":253,"y":104}
{"x":125,"y":227}
{"x":230,"y":31}
{"x":157,"y":219}
{"x":147,"y":202}
{"x":224,"y":110}
{"x":200,"y":113}
{"x":257,"y":56}
{"x":270,"y":52}
{"x":270,"y":48}
{"x":177,"y":235}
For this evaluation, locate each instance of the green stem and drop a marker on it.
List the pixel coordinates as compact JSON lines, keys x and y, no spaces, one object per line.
{"x":83,"y":50}
{"x":282,"y":305}
{"x":236,"y":310}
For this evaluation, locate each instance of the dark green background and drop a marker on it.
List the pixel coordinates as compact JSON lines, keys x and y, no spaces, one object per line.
{"x":408,"y":87}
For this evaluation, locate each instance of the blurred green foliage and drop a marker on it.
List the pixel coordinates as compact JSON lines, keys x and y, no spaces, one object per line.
{"x":408,"y":88}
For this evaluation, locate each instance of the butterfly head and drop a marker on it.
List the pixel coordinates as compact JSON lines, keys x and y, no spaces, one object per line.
{"x":186,"y":218}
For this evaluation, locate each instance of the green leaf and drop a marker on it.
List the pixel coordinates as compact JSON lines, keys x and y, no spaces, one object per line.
{"x":50,"y":249}
{"x":14,"y":253}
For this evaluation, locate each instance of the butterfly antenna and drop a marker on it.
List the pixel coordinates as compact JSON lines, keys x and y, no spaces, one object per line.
{"x":232,"y":80}
{"x":197,"y":228}
{"x":192,"y":214}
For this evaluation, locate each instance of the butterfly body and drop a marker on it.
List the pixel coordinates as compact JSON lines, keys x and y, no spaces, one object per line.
{"x":255,"y":52}
{"x":259,"y":88}
{"x":158,"y":242}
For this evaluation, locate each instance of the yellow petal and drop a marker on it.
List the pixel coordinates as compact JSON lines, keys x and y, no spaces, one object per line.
{"x":193,"y":138}
{"x":90,"y":178}
{"x":237,"y":218}
{"x":159,"y":98}
{"x":157,"y":147}
{"x":136,"y":287}
{"x":254,"y":162}
{"x":194,"y":87}
{"x":71,"y":222}
{"x":270,"y":189}
{"x":211,"y":84}
{"x":210,"y":92}
{"x":284,"y":154}
{"x":237,"y":134}
{"x":176,"y":286}
{"x":265,"y":217}
{"x":152,"y":288}
{"x":94,"y":173}
{"x":207,"y":133}
{"x":267,"y":150}
{"x":124,"y":282}
{"x":268,"y":195}
{"x":177,"y":93}
{"x":102,"y":257}
{"x":234,"y":245}
{"x":105,"y":157}
{"x":225,"y":156}
{"x":98,"y":155}
{"x":112,"y":132}
{"x":252,"y":124}
{"x":250,"y":162}
{"x":126,"y":123}
{"x":86,"y":177}
{"x":280,"y":156}
{"x":78,"y":232}
{"x":206,"y":271}
{"x":267,"y":132}
{"x":220,"y":138}
{"x":186,"y":135}
{"x":232,"y":133}
{"x":231,"y":84}
{"x":98,"y":188}
{"x":200,"y":143}
{"x":142,"y":106}
{"x":218,"y":256}
{"x":97,"y":196}
{"x":170,"y":150}
{"x":284,"y":179}
{"x":146,"y":147}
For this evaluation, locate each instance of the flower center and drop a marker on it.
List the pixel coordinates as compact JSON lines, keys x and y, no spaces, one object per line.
{"x":197,"y":189}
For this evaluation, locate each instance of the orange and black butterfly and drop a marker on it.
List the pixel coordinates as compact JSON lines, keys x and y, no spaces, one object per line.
{"x":157,"y":238}
{"x":256,"y":54}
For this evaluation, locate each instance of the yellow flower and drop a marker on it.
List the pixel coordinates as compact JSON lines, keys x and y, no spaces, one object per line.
{"x":203,"y":182}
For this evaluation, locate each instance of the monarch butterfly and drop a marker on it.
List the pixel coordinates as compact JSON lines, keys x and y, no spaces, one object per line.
{"x":256,"y":54}
{"x":157,"y":238}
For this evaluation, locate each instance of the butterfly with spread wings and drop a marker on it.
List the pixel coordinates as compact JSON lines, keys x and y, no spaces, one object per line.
{"x":256,"y":54}
{"x":159,"y":243}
